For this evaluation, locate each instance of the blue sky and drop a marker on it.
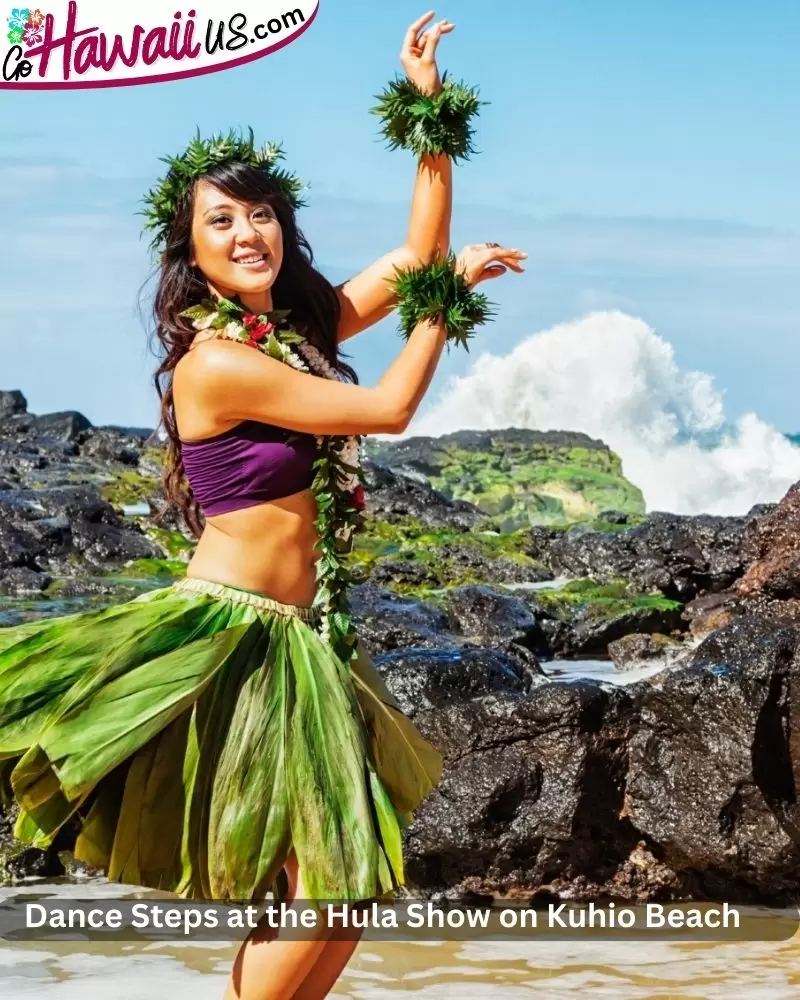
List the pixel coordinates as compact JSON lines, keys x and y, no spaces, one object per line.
{"x":645,"y":154}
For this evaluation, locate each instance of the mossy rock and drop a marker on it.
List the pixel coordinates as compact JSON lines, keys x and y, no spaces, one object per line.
{"x":130,"y":487}
{"x":165,"y":570}
{"x":153,"y":456}
{"x":172,"y":542}
{"x":417,"y":561}
{"x":525,"y":477}
{"x":600,"y":600}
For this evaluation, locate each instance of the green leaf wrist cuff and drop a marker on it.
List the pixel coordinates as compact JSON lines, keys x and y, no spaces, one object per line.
{"x":438,"y":289}
{"x":429,"y":125}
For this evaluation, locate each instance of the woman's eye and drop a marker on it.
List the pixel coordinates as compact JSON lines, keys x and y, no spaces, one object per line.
{"x":219,"y":218}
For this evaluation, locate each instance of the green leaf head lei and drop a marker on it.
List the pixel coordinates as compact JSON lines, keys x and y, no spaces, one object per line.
{"x":201,"y":156}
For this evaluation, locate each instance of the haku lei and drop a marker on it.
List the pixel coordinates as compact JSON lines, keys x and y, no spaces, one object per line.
{"x":337,"y":485}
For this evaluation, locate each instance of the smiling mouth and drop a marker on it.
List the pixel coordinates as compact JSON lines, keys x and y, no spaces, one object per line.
{"x":252,"y":260}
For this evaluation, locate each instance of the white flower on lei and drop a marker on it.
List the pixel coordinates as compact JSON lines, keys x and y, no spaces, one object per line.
{"x":276,"y":347}
{"x":206,"y":322}
{"x":293,"y":361}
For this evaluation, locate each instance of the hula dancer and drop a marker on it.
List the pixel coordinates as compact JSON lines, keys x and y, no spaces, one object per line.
{"x":226,"y":736}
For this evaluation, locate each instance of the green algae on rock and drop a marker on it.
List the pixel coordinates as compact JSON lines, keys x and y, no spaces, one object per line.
{"x":130,"y":487}
{"x":519,"y":477}
{"x":601,"y":600}
{"x":152,"y":569}
{"x":413,"y":559}
{"x":584,"y":616}
{"x":176,"y":545}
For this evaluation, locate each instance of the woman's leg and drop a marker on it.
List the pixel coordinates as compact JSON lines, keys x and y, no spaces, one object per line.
{"x":270,"y":968}
{"x":329,"y":966}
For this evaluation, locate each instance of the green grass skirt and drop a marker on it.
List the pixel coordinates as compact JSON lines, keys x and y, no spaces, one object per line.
{"x":198,"y":734}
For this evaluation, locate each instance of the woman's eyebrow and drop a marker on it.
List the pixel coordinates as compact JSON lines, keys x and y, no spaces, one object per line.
{"x":216,"y":208}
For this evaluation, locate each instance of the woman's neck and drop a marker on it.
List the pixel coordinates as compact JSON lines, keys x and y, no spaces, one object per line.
{"x":258,"y":303}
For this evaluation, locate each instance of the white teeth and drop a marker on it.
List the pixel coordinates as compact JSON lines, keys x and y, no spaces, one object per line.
{"x":251,"y":260}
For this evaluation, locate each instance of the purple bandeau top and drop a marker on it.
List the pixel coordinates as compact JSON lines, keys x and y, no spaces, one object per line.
{"x":247,"y":465}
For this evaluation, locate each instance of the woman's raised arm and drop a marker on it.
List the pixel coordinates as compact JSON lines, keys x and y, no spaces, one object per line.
{"x":367,"y":297}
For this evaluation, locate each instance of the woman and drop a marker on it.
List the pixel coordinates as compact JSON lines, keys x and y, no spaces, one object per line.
{"x":207,"y":738}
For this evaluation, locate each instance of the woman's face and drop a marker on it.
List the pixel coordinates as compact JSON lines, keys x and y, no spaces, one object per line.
{"x":237,"y":246}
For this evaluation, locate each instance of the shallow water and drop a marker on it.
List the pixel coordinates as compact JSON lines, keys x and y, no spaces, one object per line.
{"x":462,"y":970}
{"x":599,"y":670}
{"x":556,"y":584}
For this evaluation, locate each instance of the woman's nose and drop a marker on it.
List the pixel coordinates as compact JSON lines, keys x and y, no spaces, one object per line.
{"x":246,"y":232}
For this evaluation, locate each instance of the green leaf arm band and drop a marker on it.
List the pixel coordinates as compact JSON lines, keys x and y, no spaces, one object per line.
{"x":439,"y":289}
{"x":429,"y":125}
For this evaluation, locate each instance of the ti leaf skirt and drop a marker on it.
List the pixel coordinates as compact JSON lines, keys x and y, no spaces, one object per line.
{"x":198,"y":734}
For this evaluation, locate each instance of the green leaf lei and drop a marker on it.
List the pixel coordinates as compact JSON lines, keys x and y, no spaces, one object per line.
{"x":435,"y":289}
{"x":337,"y":486}
{"x":163,"y":201}
{"x":429,"y":124}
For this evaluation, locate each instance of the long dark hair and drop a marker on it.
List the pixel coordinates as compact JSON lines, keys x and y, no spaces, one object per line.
{"x":314,"y":305}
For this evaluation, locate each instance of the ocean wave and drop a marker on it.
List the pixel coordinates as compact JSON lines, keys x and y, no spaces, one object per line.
{"x":612,"y":376}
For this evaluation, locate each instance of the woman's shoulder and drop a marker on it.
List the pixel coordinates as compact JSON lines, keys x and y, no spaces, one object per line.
{"x":200,"y":380}
{"x":211,"y":358}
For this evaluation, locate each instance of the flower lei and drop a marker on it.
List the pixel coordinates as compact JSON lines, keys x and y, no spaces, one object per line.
{"x":337,"y":485}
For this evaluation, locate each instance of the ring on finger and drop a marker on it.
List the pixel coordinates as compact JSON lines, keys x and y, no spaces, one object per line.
{"x":492,"y":244}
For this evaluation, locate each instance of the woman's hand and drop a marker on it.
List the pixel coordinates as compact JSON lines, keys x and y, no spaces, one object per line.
{"x":418,"y":55}
{"x":476,"y":262}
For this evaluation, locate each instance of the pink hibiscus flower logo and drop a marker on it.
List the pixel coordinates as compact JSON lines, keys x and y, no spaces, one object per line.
{"x":32,"y":34}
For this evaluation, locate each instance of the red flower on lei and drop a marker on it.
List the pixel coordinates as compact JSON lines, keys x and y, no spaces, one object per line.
{"x":359,"y":498}
{"x":255,"y":329}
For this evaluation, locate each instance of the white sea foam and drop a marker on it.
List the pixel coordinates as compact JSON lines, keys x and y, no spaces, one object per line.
{"x":611,"y":376}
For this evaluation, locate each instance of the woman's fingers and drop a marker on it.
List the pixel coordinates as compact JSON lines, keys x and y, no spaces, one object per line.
{"x":513,"y":259}
{"x":415,"y":47}
{"x":510,"y":258}
{"x":482,"y":261}
{"x":410,"y":40}
{"x":498,"y":260}
{"x":432,"y":37}
{"x":493,"y":271}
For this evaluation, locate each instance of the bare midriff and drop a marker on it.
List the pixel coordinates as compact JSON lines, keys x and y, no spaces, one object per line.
{"x":268,"y":548}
